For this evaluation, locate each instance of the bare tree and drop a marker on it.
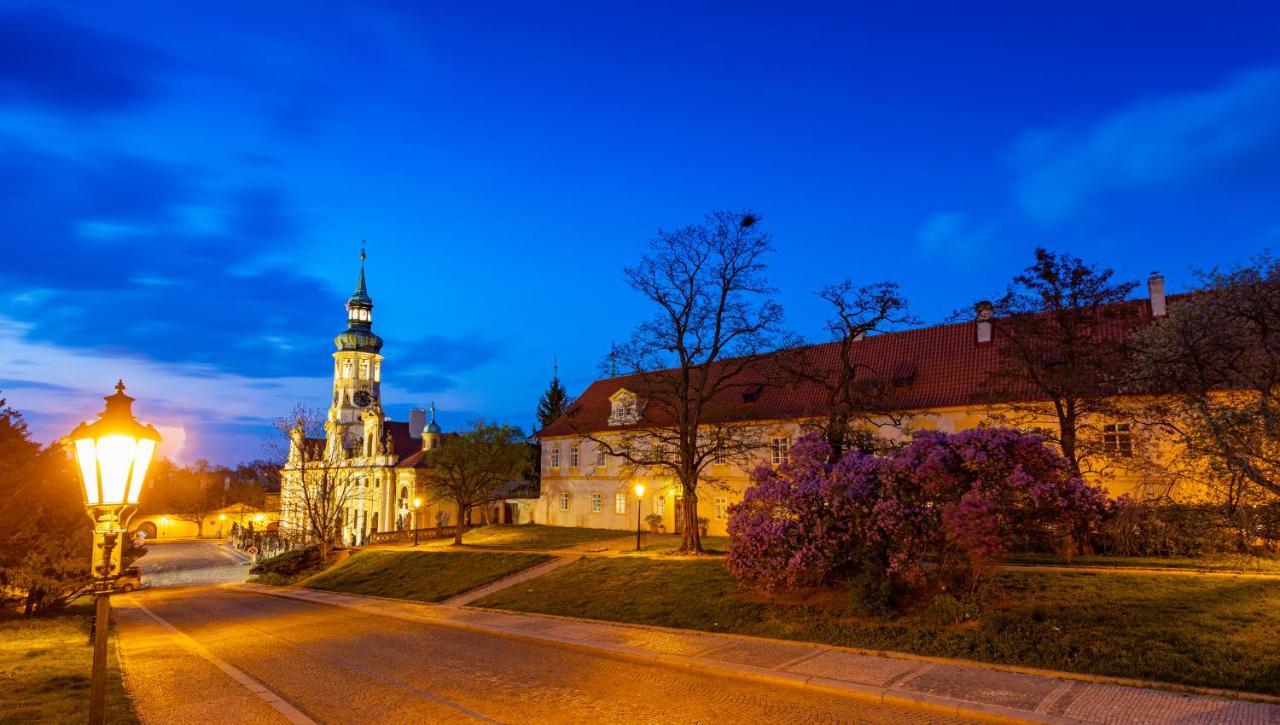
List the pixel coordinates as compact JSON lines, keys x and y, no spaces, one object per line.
{"x":696,"y":358}
{"x":856,"y":394}
{"x":318,"y":481}
{"x":1060,"y":359}
{"x":467,"y":468}
{"x":1212,"y":370}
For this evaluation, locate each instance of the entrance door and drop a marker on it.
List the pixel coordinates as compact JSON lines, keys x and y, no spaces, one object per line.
{"x":679,"y":512}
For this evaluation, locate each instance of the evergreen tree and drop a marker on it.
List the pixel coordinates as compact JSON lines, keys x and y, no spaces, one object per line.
{"x":554,"y":402}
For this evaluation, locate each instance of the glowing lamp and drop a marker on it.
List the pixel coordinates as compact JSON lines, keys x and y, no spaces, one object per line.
{"x":417,"y":503}
{"x":639,"y":490}
{"x":222,"y":517}
{"x":113,"y":453}
{"x":259,"y":518}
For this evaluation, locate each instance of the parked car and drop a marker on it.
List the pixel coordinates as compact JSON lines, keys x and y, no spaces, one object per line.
{"x":129,"y":580}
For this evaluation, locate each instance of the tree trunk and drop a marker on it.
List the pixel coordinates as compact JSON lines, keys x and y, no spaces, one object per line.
{"x":690,"y":536}
{"x":457,"y":529}
{"x":200,"y":527}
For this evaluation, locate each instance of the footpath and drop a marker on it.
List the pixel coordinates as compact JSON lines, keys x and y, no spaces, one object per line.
{"x":985,"y":692}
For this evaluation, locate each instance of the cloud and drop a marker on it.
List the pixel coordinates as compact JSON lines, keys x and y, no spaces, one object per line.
{"x":1156,"y":142}
{"x":53,"y":63}
{"x":109,"y":255}
{"x":953,"y":237}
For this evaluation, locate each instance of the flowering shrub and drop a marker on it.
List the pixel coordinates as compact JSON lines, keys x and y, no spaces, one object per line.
{"x":957,"y":502}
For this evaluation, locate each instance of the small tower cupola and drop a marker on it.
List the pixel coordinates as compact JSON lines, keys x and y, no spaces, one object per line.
{"x":431,"y":434}
{"x":359,"y":335}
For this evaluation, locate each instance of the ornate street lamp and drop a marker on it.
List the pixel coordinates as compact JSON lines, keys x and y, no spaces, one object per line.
{"x":417,"y":504}
{"x":639,"y":498}
{"x":113,"y":454}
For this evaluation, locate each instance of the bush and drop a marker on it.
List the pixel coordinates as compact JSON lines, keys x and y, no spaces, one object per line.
{"x":1159,"y":528}
{"x":289,"y":563}
{"x":958,"y":502}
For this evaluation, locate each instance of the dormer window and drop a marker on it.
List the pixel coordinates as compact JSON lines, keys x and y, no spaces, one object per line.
{"x":625,"y":408}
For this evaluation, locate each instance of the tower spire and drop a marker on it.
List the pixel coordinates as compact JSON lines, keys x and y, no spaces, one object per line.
{"x":360,"y":286}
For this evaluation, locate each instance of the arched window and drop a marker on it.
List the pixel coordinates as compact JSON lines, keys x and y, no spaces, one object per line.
{"x":346,"y":368}
{"x":364,"y":369}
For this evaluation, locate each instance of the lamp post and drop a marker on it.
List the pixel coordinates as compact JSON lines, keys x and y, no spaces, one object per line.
{"x":639,"y":499}
{"x":113,"y":453}
{"x":417,"y":504}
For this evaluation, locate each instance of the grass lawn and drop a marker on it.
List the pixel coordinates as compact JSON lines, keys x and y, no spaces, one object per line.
{"x":427,"y":576}
{"x":535,"y":536}
{"x":1215,"y":563}
{"x":1216,"y":632}
{"x":670,"y":542}
{"x":45,"y":663}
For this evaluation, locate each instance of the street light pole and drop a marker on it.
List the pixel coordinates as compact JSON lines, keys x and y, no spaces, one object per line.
{"x":639,"y":499}
{"x":417,"y":504}
{"x":113,"y":454}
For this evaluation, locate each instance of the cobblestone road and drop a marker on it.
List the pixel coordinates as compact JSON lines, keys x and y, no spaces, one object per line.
{"x":337,"y":665}
{"x":183,"y":563}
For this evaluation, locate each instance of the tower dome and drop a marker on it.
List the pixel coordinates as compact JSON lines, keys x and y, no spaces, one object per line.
{"x":359,"y":336}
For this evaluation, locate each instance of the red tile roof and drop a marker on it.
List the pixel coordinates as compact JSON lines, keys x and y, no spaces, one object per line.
{"x":931,"y":367}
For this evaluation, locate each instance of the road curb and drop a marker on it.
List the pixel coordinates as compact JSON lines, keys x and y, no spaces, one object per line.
{"x":864,"y":693}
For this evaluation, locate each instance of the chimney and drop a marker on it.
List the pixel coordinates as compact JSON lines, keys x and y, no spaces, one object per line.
{"x":984,"y":310}
{"x":417,"y":421}
{"x":1155,"y":290}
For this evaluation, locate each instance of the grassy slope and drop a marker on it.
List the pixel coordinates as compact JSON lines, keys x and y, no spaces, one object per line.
{"x":423,"y":576}
{"x":45,"y":663}
{"x":1217,"y":632}
{"x":1249,"y":564}
{"x":534,"y":536}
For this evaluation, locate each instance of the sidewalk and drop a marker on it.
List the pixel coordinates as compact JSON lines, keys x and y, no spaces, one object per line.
{"x":956,"y":688}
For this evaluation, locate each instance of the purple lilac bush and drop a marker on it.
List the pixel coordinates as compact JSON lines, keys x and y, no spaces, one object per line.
{"x":945,"y":505}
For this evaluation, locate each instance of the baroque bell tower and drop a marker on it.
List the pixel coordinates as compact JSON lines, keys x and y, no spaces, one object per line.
{"x":357,"y":364}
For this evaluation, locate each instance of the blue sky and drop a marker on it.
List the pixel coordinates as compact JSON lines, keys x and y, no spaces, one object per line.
{"x":184,"y":189}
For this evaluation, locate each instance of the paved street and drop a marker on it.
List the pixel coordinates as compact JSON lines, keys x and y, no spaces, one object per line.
{"x":187,"y":562}
{"x":338,"y":665}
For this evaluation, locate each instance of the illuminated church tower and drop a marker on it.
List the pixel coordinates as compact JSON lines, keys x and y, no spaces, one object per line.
{"x":357,"y":371}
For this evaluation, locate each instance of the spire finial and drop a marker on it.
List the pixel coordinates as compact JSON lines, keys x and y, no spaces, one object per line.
{"x":120,"y":386}
{"x":433,"y":411}
{"x":555,"y":365}
{"x":360,"y":286}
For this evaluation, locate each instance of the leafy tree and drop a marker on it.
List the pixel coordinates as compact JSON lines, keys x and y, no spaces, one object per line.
{"x":1213,"y":369}
{"x":857,"y":395}
{"x":1059,"y":362}
{"x":469,"y":467}
{"x":553,"y":403}
{"x":714,"y":319}
{"x":45,"y":537}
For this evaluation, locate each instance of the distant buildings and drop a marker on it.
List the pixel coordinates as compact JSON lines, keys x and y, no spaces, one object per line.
{"x":936,"y":377}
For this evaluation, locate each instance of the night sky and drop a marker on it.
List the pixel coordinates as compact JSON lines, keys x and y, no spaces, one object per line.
{"x":183,"y":189}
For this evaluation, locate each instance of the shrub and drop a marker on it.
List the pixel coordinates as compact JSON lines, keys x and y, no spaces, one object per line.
{"x":289,"y":563}
{"x":944,"y":508}
{"x":1161,"y":528}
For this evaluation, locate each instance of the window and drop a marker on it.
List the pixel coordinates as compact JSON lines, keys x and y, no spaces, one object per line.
{"x":624,"y":409}
{"x":564,"y":502}
{"x":597,"y":503}
{"x":721,"y":504}
{"x":600,"y":463}
{"x":377,"y":372}
{"x":619,"y":503}
{"x":346,"y":369}
{"x":1117,"y":440}
{"x":364,"y":369}
{"x":660,"y":505}
{"x":573,"y":457}
{"x":779,"y":448}
{"x":720,"y":458}
{"x":555,"y":456}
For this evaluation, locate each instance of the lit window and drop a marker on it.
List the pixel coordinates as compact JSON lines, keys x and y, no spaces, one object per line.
{"x":564,"y":502}
{"x":720,"y":507}
{"x":346,"y":368}
{"x":377,"y":372}
{"x":364,"y":369}
{"x":573,"y":457}
{"x":660,"y":505}
{"x":1117,"y":440}
{"x":597,"y":503}
{"x":619,"y":503}
{"x":779,"y":449}
{"x":600,"y":463}
{"x":555,"y":456}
